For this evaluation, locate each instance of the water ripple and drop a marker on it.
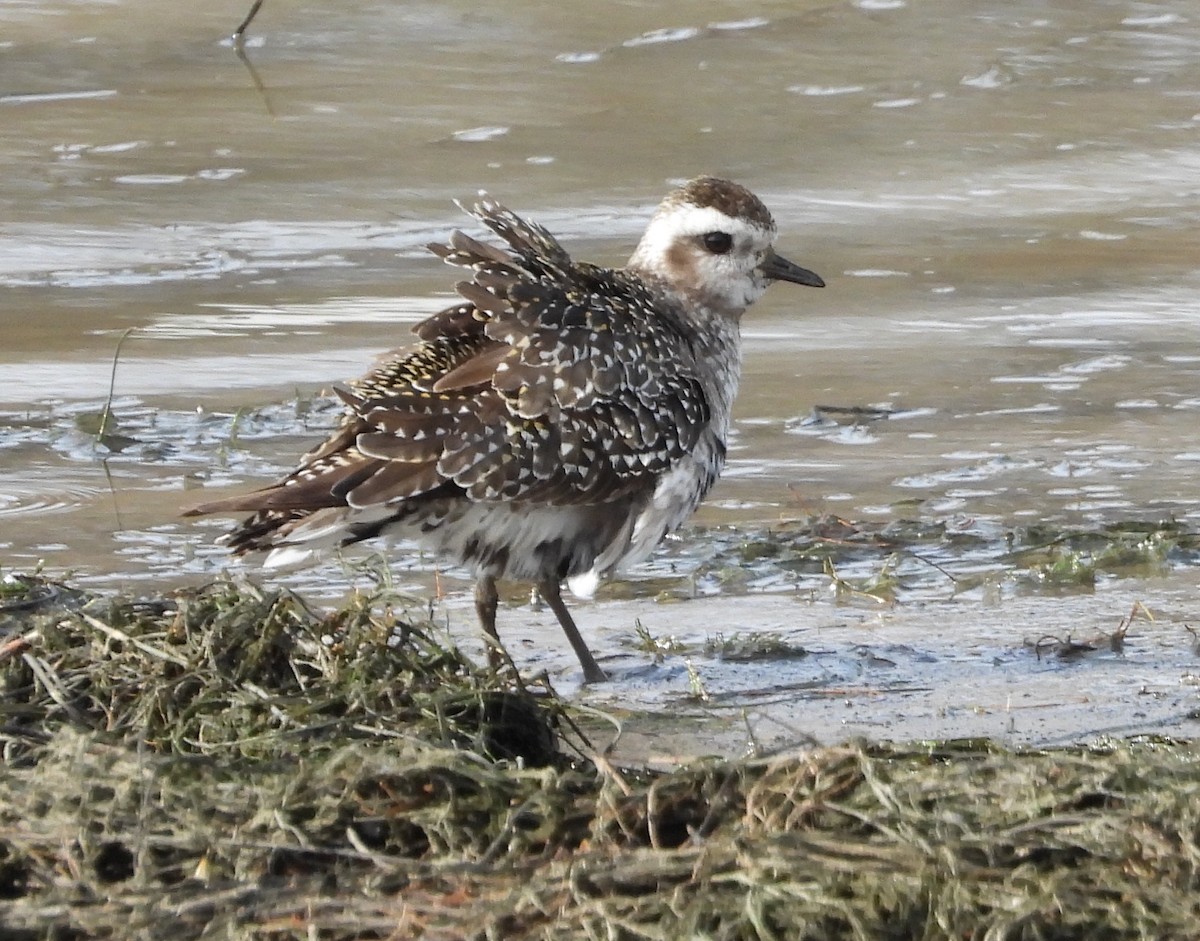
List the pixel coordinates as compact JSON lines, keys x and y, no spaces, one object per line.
{"x":20,"y":499}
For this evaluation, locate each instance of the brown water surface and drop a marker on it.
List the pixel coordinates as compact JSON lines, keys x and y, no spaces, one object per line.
{"x":1004,"y":198}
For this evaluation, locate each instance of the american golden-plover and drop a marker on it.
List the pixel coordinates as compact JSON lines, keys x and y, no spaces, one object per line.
{"x":557,"y":422}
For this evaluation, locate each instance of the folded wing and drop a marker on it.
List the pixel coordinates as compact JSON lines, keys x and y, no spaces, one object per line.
{"x":551,"y":382}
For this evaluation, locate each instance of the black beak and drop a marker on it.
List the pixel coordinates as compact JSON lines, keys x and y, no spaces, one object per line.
{"x":778,"y":268}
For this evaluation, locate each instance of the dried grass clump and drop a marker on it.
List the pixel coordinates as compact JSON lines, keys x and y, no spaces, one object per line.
{"x":184,"y":772}
{"x":235,"y":671}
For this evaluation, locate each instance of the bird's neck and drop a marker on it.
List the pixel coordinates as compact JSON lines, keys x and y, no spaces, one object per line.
{"x":713,"y":338}
{"x":719,"y":353}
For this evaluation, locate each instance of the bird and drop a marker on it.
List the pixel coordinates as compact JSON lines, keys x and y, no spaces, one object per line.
{"x":556,"y":422}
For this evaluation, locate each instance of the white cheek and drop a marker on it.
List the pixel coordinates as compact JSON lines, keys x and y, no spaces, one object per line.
{"x":734,"y":284}
{"x":723,"y":282}
{"x":745,"y":292}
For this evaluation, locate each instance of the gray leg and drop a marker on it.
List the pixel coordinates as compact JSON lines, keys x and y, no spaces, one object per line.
{"x":487,"y":599}
{"x":552,"y":592}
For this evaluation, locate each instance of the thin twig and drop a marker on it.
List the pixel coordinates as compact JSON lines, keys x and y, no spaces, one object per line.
{"x":239,"y":34}
{"x":605,"y":767}
{"x":106,"y":416}
{"x":932,"y":564}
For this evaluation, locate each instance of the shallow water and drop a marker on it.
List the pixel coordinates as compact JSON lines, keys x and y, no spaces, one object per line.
{"x":1002,"y":198}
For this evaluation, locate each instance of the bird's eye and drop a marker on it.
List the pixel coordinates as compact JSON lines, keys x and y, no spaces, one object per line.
{"x":719,"y":243}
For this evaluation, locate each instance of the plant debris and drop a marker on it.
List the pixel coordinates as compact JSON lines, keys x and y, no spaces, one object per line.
{"x":748,"y":648}
{"x":227,"y":762}
{"x":1065,"y":648}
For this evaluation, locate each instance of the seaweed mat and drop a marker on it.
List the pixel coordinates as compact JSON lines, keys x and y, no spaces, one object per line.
{"x":228,"y":763}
